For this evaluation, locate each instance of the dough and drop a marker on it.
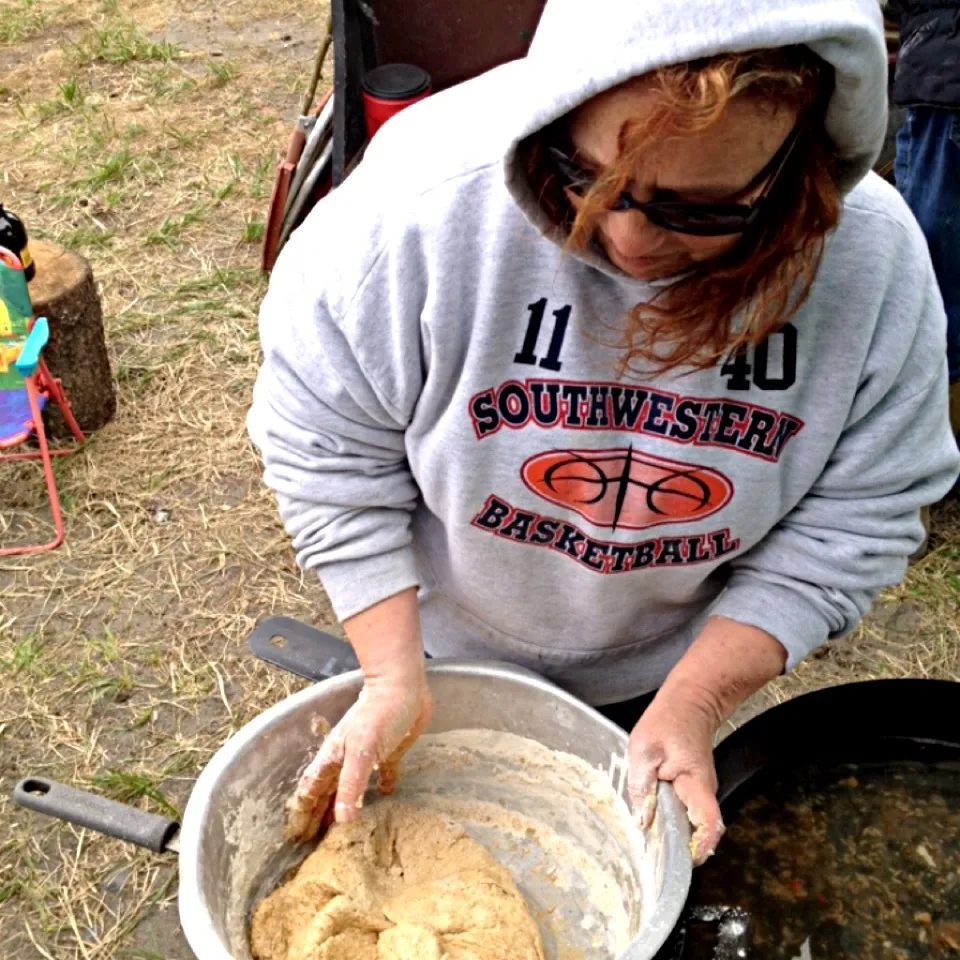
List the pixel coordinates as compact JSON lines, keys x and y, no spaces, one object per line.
{"x":396,"y":884}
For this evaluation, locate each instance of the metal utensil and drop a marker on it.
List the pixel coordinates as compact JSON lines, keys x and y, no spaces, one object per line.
{"x":320,"y":170}
{"x":320,"y":131}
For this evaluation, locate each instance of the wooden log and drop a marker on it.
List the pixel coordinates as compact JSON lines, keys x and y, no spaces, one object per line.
{"x":64,"y":292}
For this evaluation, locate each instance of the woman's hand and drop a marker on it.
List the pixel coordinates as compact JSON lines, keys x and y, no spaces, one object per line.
{"x":374,"y":734}
{"x":393,"y":709}
{"x":673,"y":741}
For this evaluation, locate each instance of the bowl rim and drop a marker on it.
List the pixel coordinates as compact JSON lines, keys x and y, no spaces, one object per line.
{"x":194,"y":912}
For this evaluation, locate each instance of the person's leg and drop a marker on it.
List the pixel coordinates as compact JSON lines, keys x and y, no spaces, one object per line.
{"x":927,"y":171}
{"x":928,"y":177}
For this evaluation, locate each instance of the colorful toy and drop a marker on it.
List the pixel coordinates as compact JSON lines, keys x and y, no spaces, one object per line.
{"x":26,"y":387}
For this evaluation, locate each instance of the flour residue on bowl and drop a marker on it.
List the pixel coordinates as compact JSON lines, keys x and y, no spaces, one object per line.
{"x":555,"y":822}
{"x":261,"y":860}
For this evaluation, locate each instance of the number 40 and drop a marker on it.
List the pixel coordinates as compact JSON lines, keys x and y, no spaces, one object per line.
{"x":738,"y":367}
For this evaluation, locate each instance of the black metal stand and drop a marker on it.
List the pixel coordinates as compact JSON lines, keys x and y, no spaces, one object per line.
{"x":354,"y":51}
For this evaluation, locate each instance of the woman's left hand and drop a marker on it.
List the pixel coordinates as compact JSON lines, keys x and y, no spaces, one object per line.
{"x":673,"y":741}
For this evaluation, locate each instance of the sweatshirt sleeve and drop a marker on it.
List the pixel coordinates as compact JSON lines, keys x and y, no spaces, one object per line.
{"x":816,"y":574}
{"x":333,"y":397}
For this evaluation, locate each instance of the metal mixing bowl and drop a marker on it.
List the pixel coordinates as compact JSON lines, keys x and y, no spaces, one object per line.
{"x":230,"y":852}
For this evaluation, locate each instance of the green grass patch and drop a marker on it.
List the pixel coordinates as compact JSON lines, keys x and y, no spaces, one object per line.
{"x":24,"y":654}
{"x":112,"y":169}
{"x":112,"y":198}
{"x":9,"y":890}
{"x":46,"y":109}
{"x":252,"y":230}
{"x":96,"y":673}
{"x":121,"y":43}
{"x":106,"y":648}
{"x":101,"y":136}
{"x":135,"y":321}
{"x":169,"y":232}
{"x":155,"y":658}
{"x":88,"y":238}
{"x":215,"y":306}
{"x":133,"y":787}
{"x":70,"y":94}
{"x":142,"y":719}
{"x":20,"y":19}
{"x":221,"y":193}
{"x":181,"y":140}
{"x":134,"y":378}
{"x":261,"y":183}
{"x":117,"y":688}
{"x":220,"y":73}
{"x":223,"y":278}
{"x":234,"y":165}
{"x":156,"y":480}
{"x":176,"y":353}
{"x":69,"y":99}
{"x":179,"y":763}
{"x":165,"y":84}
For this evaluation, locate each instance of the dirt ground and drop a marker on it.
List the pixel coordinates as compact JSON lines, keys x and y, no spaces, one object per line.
{"x":144,"y":135}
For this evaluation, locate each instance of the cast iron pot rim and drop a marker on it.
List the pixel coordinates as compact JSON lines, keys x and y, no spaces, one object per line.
{"x":864,"y":712}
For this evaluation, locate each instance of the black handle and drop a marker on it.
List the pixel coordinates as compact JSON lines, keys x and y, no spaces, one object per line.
{"x":98,"y":813}
{"x":302,"y":650}
{"x":733,"y":935}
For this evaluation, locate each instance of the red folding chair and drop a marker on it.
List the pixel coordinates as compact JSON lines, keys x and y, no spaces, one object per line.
{"x":26,"y":387}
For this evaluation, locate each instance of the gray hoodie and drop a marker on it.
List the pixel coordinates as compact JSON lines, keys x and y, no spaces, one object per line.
{"x":438,"y":405}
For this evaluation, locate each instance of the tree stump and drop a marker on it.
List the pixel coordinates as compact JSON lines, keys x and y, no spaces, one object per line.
{"x":64,"y":292}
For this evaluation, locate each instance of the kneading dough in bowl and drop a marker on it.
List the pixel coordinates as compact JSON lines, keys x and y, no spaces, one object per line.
{"x":397,"y":884}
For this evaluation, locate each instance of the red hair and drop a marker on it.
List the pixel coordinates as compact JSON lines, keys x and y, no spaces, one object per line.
{"x":752,"y":290}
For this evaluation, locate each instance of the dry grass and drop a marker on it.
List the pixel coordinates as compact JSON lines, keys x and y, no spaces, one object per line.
{"x":122,"y":656}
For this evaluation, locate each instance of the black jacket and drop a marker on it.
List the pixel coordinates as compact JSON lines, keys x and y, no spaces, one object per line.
{"x":928,"y":64}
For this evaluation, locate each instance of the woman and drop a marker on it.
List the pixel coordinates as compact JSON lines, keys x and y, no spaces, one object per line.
{"x":634,"y":301}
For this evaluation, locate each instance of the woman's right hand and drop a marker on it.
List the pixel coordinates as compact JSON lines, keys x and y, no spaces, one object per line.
{"x":393,"y":709}
{"x":372,"y":737}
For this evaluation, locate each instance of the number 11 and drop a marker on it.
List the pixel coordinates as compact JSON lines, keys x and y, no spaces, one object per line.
{"x":552,"y":360}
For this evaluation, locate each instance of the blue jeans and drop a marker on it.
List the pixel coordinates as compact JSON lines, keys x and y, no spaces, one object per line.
{"x":928,"y":177}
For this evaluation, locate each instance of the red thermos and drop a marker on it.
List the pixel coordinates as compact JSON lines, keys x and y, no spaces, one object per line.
{"x":390,"y":88}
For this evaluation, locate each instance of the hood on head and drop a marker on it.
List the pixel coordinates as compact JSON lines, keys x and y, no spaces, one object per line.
{"x":582,"y":49}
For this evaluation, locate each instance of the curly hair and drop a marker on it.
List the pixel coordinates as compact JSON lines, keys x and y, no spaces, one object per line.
{"x":743,"y":295}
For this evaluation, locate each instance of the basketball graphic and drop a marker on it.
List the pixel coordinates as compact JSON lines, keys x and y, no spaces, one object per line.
{"x":625,"y":488}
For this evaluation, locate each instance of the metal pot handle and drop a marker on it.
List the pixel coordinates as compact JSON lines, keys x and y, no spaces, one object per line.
{"x":734,"y":932}
{"x":301,"y":649}
{"x":314,"y":655}
{"x":98,"y":813}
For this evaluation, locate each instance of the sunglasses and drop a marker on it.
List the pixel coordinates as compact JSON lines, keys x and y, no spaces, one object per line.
{"x":696,"y":219}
